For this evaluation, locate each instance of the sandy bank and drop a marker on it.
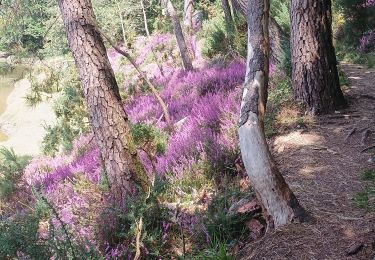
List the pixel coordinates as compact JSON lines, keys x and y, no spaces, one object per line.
{"x":24,"y":124}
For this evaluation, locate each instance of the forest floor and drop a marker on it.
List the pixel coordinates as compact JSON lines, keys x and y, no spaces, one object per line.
{"x":323,"y":163}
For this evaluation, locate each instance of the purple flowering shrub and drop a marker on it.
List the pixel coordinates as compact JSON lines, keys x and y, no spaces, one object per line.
{"x":367,"y":42}
{"x":204,"y":104}
{"x":70,"y":184}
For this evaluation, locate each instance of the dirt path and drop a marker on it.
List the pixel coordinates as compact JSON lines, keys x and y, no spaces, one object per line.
{"x":323,"y":164}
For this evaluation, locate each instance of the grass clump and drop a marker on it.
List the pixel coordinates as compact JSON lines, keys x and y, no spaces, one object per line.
{"x":366,"y":198}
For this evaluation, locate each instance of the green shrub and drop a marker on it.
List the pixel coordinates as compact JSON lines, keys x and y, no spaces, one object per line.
{"x":20,"y":234}
{"x":280,"y":12}
{"x":71,"y":113}
{"x":351,"y":54}
{"x":366,"y":198}
{"x":224,"y":228}
{"x":215,"y":41}
{"x":11,"y":170}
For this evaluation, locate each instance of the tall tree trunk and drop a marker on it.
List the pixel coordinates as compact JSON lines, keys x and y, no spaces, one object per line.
{"x":279,"y":203}
{"x":145,"y":18}
{"x":188,"y":13}
{"x":148,"y":37}
{"x":314,"y":71}
{"x":277,"y":34}
{"x":110,"y":123}
{"x":122,"y":24}
{"x":184,"y":52}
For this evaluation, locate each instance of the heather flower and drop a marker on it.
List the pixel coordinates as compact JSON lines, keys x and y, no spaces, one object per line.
{"x":201,"y":99}
{"x":367,"y":42}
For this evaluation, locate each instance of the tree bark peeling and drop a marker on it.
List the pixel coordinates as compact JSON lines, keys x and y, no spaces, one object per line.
{"x":278,"y":201}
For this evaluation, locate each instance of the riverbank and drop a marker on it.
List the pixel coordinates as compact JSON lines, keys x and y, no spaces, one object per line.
{"x":23,"y":124}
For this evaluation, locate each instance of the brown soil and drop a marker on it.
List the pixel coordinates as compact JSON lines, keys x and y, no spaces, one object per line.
{"x":323,"y":164}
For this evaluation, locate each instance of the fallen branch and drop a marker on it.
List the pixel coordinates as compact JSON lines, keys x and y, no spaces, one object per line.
{"x":367,"y":96}
{"x":368,"y":148}
{"x":365,"y":135}
{"x":350,"y":134}
{"x":138,"y":239}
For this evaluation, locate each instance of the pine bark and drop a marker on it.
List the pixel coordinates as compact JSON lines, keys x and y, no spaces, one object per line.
{"x":110,"y":123}
{"x":279,"y":203}
{"x":180,"y":38}
{"x":314,"y":65}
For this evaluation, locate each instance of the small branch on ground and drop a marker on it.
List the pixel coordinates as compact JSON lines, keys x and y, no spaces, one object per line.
{"x":368,"y":148}
{"x":350,"y":134}
{"x":365,"y":135}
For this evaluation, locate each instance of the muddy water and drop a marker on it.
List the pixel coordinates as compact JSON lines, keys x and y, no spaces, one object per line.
{"x":8,"y":77}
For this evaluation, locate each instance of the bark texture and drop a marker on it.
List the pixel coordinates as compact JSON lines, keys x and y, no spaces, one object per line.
{"x":109,"y":120}
{"x":279,"y":203}
{"x":277,"y":35}
{"x":184,"y":52}
{"x":188,"y":13}
{"x":314,"y":66}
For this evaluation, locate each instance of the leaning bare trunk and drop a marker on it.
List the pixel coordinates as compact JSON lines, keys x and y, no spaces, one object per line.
{"x":142,"y":76}
{"x":184,"y":52}
{"x":110,"y":123}
{"x":188,"y":13}
{"x":279,"y":203}
{"x":277,"y":34}
{"x":314,"y":71}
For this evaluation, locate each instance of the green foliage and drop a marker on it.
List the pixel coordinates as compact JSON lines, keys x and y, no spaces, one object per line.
{"x":153,"y":215}
{"x":366,"y":198}
{"x":214,"y":36}
{"x":149,"y":138}
{"x":280,"y":12}
{"x":194,"y":182}
{"x":218,"y":41}
{"x":20,"y":236}
{"x":280,"y":92}
{"x":351,"y":54}
{"x":357,"y":20}
{"x":47,"y":86}
{"x":123,"y":20}
{"x":217,"y":251}
{"x":224,"y":228}
{"x":71,"y":113}
{"x":342,"y":77}
{"x":26,"y":27}
{"x":11,"y":170}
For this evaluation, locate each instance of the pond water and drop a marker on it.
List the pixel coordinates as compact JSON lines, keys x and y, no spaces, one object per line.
{"x":8,"y":77}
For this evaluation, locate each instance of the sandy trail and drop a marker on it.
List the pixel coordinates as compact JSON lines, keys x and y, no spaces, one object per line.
{"x":322,"y":164}
{"x":24,"y":124}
